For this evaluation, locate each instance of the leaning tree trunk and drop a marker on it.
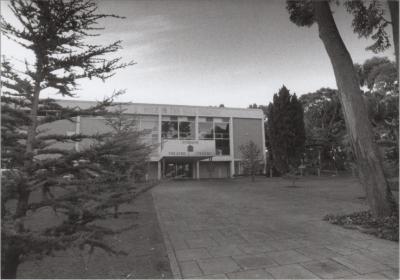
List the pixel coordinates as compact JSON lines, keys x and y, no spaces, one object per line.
{"x":394,"y":16}
{"x":10,"y":263}
{"x":358,"y":126}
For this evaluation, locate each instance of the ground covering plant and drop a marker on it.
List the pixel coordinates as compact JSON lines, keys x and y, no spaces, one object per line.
{"x":364,"y":221}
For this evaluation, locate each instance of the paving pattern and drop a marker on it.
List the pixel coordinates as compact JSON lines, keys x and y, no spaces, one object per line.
{"x":216,"y":229}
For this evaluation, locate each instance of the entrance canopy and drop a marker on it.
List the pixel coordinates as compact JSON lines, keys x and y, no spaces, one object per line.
{"x":184,"y":158}
{"x":188,"y":150}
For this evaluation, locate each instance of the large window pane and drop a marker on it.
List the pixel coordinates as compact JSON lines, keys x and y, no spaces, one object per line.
{"x":222,"y":147}
{"x":186,"y":130}
{"x":221,"y":130}
{"x":169,"y":130}
{"x":206,"y":130}
{"x":149,"y":127}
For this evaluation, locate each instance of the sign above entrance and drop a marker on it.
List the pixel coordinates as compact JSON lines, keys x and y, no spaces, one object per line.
{"x":188,"y":148}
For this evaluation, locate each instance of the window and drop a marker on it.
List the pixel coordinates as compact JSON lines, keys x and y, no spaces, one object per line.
{"x":222,"y":147}
{"x":221,"y":130}
{"x":169,"y":129}
{"x":206,"y":130}
{"x":149,"y":126}
{"x":186,"y":130}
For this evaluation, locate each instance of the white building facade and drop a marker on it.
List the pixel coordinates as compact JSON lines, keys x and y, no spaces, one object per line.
{"x":188,"y":141}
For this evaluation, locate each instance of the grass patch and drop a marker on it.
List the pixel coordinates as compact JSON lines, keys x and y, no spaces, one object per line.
{"x":385,"y":228}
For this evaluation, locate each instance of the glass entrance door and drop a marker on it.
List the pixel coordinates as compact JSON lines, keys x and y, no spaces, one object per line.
{"x":179,"y":170}
{"x":184,"y":170}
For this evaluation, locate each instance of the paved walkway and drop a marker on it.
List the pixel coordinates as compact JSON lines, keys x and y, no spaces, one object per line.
{"x":238,"y":229}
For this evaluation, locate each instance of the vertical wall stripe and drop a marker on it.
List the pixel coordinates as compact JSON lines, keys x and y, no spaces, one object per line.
{"x":77,"y":131}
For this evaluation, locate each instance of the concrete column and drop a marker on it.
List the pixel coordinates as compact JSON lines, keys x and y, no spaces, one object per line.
{"x":263,"y":146}
{"x":231,"y":148}
{"x":196,"y":125}
{"x":232,"y":168}
{"x":163,"y":168}
{"x":159,"y":170}
{"x":197,"y":169}
{"x":159,"y":149}
{"x":159,"y":133}
{"x":77,"y":131}
{"x":193,"y":170}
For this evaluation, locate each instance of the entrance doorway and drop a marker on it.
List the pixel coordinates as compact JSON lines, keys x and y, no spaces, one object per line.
{"x":178,"y":170}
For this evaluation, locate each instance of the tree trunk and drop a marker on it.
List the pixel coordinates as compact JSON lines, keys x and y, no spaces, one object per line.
{"x":12,"y":253}
{"x":394,"y":15}
{"x":358,"y":126}
{"x":33,"y":113}
{"x":10,"y":262}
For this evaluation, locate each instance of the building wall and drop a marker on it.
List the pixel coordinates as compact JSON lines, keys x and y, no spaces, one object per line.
{"x":245,"y":130}
{"x":152,"y":170}
{"x":212,"y":169}
{"x":93,"y":125}
{"x":59,"y":127}
{"x":169,"y":109}
{"x":244,"y":125}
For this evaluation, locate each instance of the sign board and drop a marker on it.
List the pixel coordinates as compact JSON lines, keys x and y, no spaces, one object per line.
{"x":188,"y":148}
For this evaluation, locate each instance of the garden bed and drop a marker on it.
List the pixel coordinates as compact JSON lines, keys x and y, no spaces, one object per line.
{"x":386,"y":228}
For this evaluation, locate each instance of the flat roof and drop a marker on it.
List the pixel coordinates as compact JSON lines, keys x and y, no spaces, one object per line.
{"x":171,"y":109}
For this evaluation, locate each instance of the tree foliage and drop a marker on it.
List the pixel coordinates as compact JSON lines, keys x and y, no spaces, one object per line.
{"x":371,"y":171}
{"x":325,"y":126}
{"x":251,"y":159}
{"x":128,"y":139}
{"x":370,"y":20}
{"x":78,"y":186}
{"x":379,"y":76}
{"x":285,"y":126}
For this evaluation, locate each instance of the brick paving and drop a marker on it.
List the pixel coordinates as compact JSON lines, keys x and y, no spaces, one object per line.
{"x":218,"y":229}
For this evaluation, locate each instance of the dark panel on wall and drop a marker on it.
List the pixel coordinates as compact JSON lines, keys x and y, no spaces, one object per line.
{"x":214,"y":169}
{"x":245,"y":130}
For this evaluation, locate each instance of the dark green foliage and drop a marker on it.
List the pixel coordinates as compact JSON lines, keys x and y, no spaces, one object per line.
{"x":300,"y":12}
{"x":325,"y":129}
{"x":127,"y":143}
{"x":251,"y":159}
{"x":79,"y":187}
{"x":286,"y":132}
{"x":369,"y":21}
{"x":378,"y":74}
{"x":386,"y":228}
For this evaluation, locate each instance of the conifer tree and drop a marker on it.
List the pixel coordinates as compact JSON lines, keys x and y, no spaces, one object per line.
{"x":77,"y":185}
{"x":285,"y":126}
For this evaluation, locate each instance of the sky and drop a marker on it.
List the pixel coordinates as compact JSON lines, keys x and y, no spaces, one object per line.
{"x":203,"y":52}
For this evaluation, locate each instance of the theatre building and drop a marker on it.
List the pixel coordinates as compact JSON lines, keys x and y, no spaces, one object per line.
{"x":188,"y":141}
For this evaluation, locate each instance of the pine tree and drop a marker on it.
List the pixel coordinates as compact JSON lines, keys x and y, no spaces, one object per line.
{"x":285,"y":126}
{"x":79,"y":186}
{"x":297,"y":145}
{"x":133,"y":151}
